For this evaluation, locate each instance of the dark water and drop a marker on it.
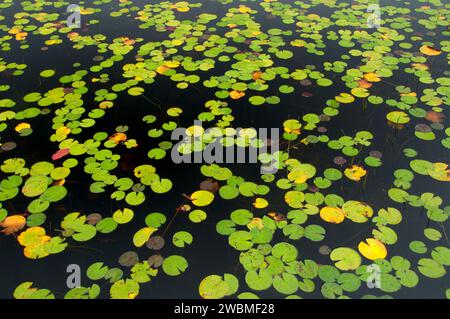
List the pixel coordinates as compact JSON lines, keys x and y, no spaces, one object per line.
{"x":210,"y":252}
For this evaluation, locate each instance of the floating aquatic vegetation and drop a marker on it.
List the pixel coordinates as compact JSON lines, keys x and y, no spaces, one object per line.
{"x":86,"y":146}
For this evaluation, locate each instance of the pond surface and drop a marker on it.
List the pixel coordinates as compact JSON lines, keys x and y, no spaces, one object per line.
{"x":354,"y":95}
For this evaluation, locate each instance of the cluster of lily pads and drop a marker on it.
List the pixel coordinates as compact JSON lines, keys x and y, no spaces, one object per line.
{"x":232,"y":60}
